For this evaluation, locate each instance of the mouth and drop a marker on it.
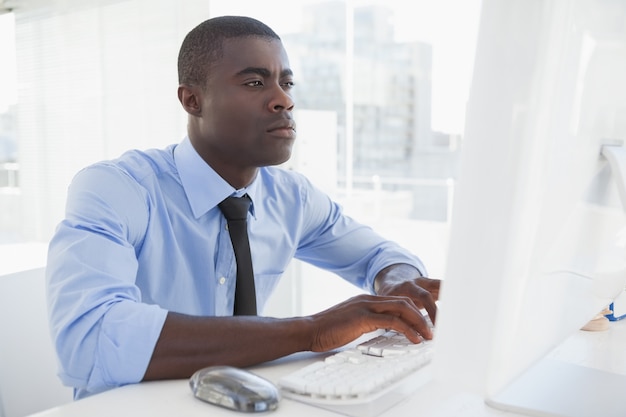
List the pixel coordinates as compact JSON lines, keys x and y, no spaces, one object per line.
{"x":283,"y":127}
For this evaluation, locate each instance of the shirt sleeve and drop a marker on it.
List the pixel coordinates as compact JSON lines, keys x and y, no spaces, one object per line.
{"x":338,"y":243}
{"x":103,"y":333}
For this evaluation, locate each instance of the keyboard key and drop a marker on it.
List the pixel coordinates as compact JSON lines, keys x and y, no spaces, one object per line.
{"x":357,"y":374}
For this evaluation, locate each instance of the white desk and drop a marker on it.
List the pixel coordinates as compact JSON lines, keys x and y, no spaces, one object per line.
{"x":604,"y":350}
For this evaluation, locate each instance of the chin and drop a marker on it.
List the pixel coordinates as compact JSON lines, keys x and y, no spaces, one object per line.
{"x":277,"y":162}
{"x":276,"y":156}
{"x":282,"y":158}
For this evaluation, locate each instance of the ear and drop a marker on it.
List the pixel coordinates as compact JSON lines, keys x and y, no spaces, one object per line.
{"x":190,"y":96}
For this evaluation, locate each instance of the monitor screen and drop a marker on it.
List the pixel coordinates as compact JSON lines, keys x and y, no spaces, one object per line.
{"x":538,"y":235}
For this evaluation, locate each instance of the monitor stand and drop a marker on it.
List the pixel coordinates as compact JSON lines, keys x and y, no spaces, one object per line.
{"x":553,"y":388}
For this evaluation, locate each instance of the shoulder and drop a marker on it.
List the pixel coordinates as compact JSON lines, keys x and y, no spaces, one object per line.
{"x":294,"y":190}
{"x":141,"y":165}
{"x":118,"y":193}
{"x":122,"y":185}
{"x":133,"y":167}
{"x":285,"y":178}
{"x":280,"y":181}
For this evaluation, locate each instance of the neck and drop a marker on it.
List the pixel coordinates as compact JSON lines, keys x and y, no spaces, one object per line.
{"x":238,"y":178}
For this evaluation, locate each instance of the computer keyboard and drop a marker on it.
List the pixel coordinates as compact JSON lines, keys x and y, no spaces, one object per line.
{"x":364,"y":380}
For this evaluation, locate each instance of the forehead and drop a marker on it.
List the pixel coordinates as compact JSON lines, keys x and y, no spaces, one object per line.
{"x":240,"y":54}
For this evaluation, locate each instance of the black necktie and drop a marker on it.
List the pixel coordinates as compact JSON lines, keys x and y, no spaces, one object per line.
{"x":236,"y":212}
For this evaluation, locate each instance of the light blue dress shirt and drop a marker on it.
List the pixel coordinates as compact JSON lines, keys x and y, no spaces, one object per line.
{"x":143,"y":236}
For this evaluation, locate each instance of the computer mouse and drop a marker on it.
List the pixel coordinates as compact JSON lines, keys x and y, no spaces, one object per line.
{"x":235,"y":389}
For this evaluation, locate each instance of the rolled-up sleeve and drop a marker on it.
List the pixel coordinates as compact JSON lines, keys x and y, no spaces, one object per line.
{"x":103,"y":334}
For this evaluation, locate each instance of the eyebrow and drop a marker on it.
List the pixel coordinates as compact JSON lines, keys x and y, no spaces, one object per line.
{"x":264,"y":72}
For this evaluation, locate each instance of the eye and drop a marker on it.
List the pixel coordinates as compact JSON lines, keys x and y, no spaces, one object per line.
{"x":255,"y":83}
{"x":288,"y":85}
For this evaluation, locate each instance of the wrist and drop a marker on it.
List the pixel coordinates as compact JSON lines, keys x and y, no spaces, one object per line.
{"x":304,"y":333}
{"x":394,"y":274}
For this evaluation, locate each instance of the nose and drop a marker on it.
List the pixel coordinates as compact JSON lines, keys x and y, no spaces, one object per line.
{"x":280,"y":100}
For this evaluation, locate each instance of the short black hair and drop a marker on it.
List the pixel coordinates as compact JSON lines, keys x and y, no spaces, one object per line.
{"x":204,"y":44}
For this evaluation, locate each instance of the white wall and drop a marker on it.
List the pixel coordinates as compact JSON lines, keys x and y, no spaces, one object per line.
{"x":95,"y":79}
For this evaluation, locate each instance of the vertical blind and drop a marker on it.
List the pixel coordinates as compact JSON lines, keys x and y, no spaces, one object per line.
{"x":95,"y":78}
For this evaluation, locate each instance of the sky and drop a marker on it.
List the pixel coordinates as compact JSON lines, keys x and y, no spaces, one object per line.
{"x":450,"y":26}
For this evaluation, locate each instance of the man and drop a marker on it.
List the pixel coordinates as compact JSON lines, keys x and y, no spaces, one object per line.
{"x":141,"y":272}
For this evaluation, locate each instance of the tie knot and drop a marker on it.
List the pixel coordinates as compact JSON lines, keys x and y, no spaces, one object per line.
{"x":235,"y":208}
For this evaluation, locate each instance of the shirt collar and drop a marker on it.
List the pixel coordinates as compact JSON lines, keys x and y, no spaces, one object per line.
{"x":204,"y":188}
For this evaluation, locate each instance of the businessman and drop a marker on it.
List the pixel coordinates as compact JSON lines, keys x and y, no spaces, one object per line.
{"x":142,"y":276}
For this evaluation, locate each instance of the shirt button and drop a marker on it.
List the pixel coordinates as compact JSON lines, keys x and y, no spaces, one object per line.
{"x":222,"y":281}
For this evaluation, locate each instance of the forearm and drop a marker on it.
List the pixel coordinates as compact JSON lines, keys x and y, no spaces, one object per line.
{"x":188,"y":343}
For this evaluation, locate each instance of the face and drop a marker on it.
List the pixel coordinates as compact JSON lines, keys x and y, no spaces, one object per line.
{"x":245,"y":119}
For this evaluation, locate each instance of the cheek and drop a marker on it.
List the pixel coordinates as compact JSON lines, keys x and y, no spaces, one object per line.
{"x":233,"y":115}
{"x":225,"y":118}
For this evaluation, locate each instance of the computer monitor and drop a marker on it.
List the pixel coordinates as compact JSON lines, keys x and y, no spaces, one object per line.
{"x":538,"y":240}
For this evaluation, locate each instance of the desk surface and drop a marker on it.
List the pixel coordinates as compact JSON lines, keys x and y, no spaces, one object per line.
{"x":604,"y":350}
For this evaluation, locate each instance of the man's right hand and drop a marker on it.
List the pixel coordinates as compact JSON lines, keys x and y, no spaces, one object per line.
{"x":344,"y":322}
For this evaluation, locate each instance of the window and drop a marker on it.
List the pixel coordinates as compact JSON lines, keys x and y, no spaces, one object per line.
{"x":396,"y":81}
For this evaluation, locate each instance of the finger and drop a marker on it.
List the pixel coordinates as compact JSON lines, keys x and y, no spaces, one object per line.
{"x":428,"y":302}
{"x":422,"y":299}
{"x":401,"y":314}
{"x":425,"y":293}
{"x":416,"y":332}
{"x":402,"y":327}
{"x":433,"y":286}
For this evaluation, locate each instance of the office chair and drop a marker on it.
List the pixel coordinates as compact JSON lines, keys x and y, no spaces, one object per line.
{"x":28,"y":365}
